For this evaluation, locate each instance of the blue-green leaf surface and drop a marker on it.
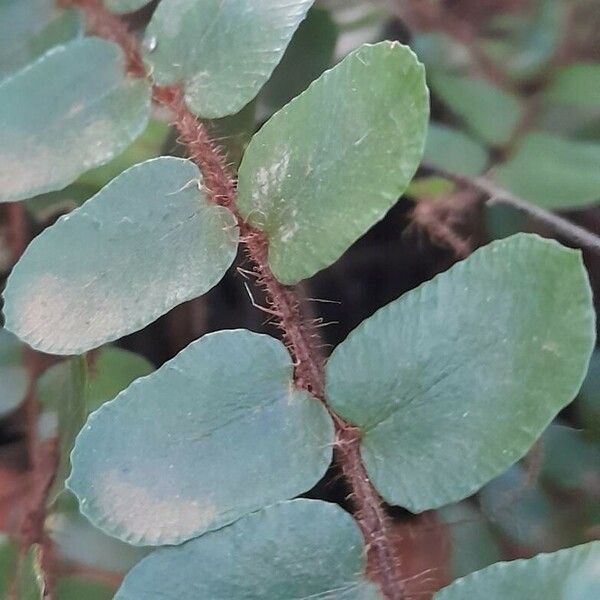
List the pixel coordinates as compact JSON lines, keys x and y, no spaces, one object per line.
{"x":299,"y":550}
{"x":453,"y":382}
{"x":569,"y":574}
{"x":147,"y":242}
{"x":223,"y":51}
{"x":224,"y":427}
{"x":30,"y":27}
{"x":70,"y":111}
{"x":331,"y":163}
{"x":569,"y":104}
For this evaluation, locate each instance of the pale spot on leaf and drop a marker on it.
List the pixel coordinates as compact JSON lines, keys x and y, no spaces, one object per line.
{"x":133,"y":504}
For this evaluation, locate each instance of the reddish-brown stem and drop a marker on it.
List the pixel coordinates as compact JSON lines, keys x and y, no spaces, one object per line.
{"x":103,"y":24}
{"x":383,"y":560}
{"x":16,"y":227}
{"x":283,"y":302}
{"x":302,"y":341}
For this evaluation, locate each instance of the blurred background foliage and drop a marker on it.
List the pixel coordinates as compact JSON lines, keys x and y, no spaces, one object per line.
{"x":515,"y":96}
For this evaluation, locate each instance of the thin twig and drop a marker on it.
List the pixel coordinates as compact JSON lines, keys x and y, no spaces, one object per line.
{"x":495,"y":194}
{"x":283,"y":301}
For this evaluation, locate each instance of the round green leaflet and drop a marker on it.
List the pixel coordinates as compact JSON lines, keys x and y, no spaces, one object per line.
{"x":569,"y":574}
{"x":487,"y":111}
{"x":453,"y":382}
{"x":452,"y":150}
{"x":299,"y":550}
{"x":70,"y":111}
{"x":574,"y":86}
{"x":223,"y":425}
{"x":331,"y":163}
{"x":553,"y":172}
{"x":145,"y":243}
{"x":223,"y":51}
